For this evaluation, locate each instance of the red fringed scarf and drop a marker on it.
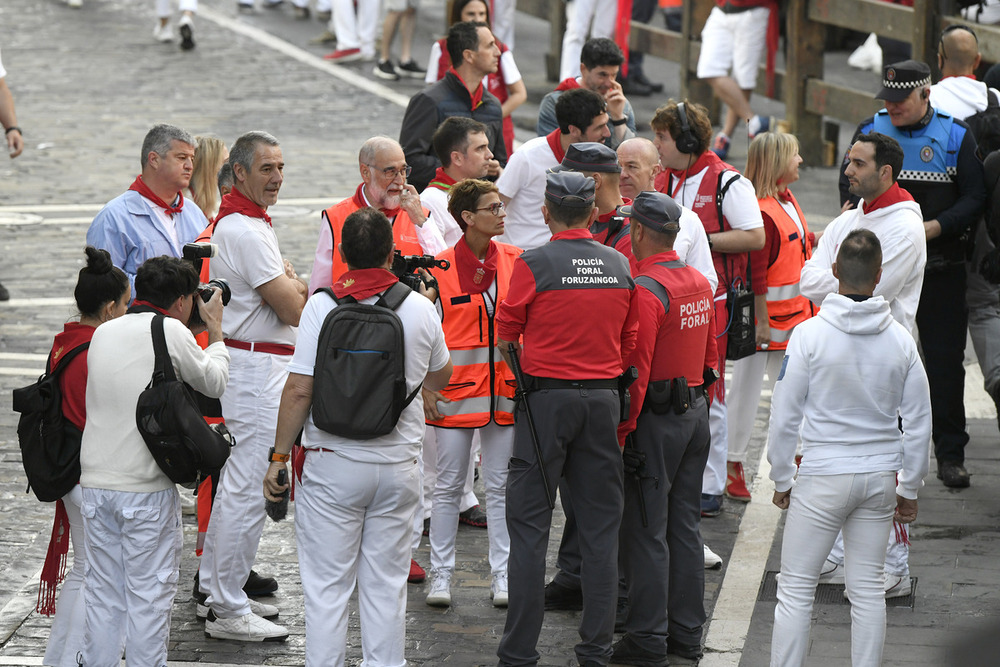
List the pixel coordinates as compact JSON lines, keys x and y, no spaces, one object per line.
{"x":138,"y":303}
{"x":54,"y":569}
{"x":441,"y":180}
{"x":237,"y":202}
{"x":140,"y":186}
{"x":474,"y":276}
{"x":363,"y":283}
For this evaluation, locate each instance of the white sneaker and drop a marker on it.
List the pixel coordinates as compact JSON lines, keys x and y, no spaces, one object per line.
{"x":75,"y":4}
{"x":163,"y":33}
{"x":712,"y":560}
{"x":262,"y":609}
{"x":439,"y":594}
{"x":248,"y":628}
{"x":894,"y":586}
{"x":831,"y":573}
{"x":498,"y":589}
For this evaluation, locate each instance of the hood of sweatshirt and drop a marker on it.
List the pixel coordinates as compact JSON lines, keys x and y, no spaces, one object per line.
{"x":959,"y":96}
{"x":870,"y":316}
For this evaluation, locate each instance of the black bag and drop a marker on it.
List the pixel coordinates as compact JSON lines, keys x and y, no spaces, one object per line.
{"x":742,"y":326}
{"x":359,"y":383}
{"x":50,"y":443}
{"x":182,"y":443}
{"x":985,"y":126}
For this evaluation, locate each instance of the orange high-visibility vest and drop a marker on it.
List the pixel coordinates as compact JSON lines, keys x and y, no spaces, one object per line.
{"x":482,"y":386}
{"x":786,"y":307}
{"x":403,"y":233}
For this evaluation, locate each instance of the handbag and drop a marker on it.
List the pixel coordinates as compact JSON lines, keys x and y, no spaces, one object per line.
{"x":742,"y":325}
{"x":185,"y":447}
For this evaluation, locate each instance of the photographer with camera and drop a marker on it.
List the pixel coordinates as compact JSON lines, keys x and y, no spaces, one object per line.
{"x":132,"y":510}
{"x":259,"y":325}
{"x":383,"y":187}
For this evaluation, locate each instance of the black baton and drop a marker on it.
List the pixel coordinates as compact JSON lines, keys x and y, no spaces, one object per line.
{"x":515,"y":366}
{"x":630,"y":444}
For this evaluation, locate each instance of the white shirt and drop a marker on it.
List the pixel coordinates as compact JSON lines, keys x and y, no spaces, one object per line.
{"x":3,"y":72}
{"x":900,"y":230}
{"x":119,"y":366}
{"x":249,"y":257}
{"x":691,"y":246}
{"x":960,"y":96}
{"x":523,"y":182}
{"x":425,"y":350}
{"x":435,"y":200}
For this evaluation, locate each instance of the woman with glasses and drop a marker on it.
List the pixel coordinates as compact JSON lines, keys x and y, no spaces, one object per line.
{"x":479,"y":397}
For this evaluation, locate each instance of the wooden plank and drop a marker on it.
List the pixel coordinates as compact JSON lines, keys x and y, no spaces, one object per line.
{"x":805,"y":61}
{"x":875,"y":16}
{"x":925,"y":32}
{"x":847,"y":104}
{"x":656,"y":42}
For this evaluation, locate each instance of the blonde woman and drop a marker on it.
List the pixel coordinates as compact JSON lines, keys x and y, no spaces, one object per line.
{"x":772,"y":165}
{"x":209,"y":157}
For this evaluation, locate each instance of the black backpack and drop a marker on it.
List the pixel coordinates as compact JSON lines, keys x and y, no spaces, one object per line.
{"x":985,"y":126}
{"x":359,"y":383}
{"x":50,"y":443}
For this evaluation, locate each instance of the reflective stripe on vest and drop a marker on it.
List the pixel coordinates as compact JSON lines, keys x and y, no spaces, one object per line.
{"x":481,"y":388}
{"x":786,"y":307}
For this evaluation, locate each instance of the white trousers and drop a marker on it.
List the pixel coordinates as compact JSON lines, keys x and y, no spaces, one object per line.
{"x":250,"y":407}
{"x":67,"y":633}
{"x":454,"y":449}
{"x":356,"y":29}
{"x":862,"y":505}
{"x":743,"y":397}
{"x":164,"y":9}
{"x":352,"y":526}
{"x":713,"y":482}
{"x":897,"y":553}
{"x":594,"y":17}
{"x":133,"y":543}
{"x":428,"y":469}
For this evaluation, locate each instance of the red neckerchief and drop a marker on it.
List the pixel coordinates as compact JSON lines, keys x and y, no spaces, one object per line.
{"x":893,"y":195}
{"x":783,"y":196}
{"x":476,"y":96}
{"x":140,"y":186}
{"x":363,"y":283}
{"x":959,"y":76}
{"x":568,"y":84}
{"x":441,"y":180}
{"x":139,"y":303}
{"x":54,"y":569}
{"x":475,"y":276}
{"x":362,"y":202}
{"x":237,"y":202}
{"x":704,"y":160}
{"x":555,"y":143}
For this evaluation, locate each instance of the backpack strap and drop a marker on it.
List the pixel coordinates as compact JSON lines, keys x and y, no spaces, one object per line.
{"x":393,"y":298}
{"x":163,"y":368}
{"x":62,"y":363}
{"x":329,"y":292}
{"x":720,"y":192}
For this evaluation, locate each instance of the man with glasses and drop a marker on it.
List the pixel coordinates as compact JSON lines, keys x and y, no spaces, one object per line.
{"x":461,"y":92}
{"x":961,"y":95}
{"x":945,"y":177}
{"x":383,"y":174}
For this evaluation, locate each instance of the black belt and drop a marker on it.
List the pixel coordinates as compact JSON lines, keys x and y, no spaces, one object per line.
{"x":729,"y":8}
{"x":553,"y":383}
{"x":694,"y":393}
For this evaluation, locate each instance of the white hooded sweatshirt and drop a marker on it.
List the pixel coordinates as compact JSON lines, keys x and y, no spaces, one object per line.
{"x":960,"y":96}
{"x":847,"y":377}
{"x":900,"y":229}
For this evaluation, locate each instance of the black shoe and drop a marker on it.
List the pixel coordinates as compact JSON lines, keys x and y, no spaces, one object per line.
{"x":627,"y":652}
{"x":187,"y":37}
{"x":634,"y":88}
{"x":4,"y":294}
{"x":258,"y":586}
{"x":244,"y":8}
{"x":562,"y":598}
{"x":475,"y":516}
{"x":302,"y":13}
{"x":953,"y":474}
{"x":385,"y":70}
{"x":690,"y":651}
{"x":411,"y":69}
{"x":621,"y":614}
{"x":641,"y":78}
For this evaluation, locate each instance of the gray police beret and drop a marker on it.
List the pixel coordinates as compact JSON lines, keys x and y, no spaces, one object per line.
{"x":569,"y":188}
{"x":655,"y":210}
{"x":899,"y":80}
{"x":590,"y":156}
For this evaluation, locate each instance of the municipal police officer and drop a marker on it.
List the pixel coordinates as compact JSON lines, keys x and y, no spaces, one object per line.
{"x":665,"y":456}
{"x":574,"y":398}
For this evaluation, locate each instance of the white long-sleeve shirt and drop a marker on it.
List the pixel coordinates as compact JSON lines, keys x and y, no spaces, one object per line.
{"x":900,"y":229}
{"x":847,"y":377}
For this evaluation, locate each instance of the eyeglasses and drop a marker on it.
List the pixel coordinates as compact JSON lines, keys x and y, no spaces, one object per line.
{"x":391,"y":173}
{"x":494,"y":208}
{"x":952,"y":28}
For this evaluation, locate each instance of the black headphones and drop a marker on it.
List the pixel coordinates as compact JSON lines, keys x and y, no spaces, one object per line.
{"x":686,"y":142}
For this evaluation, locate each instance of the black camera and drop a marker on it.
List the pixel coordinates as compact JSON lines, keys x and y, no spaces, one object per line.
{"x":205,"y":291}
{"x":404,"y":267}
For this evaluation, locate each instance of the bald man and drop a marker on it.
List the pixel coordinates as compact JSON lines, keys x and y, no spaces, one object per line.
{"x":959,"y":94}
{"x":640,"y":163}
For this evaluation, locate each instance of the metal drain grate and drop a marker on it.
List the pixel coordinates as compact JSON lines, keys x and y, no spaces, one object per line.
{"x":829,"y":593}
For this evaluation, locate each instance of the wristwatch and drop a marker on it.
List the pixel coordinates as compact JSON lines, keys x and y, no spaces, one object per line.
{"x":620,"y":121}
{"x":273,"y":456}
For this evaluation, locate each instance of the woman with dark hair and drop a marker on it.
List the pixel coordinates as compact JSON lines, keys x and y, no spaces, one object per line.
{"x":506,"y":83}
{"x":102,"y":293}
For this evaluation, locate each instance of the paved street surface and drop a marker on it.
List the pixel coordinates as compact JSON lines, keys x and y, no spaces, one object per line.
{"x":90,"y":82}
